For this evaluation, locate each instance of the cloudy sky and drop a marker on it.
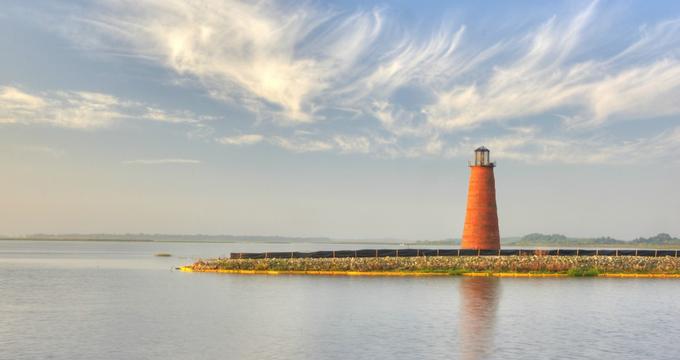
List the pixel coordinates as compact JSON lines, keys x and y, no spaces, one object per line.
{"x":351,"y":119}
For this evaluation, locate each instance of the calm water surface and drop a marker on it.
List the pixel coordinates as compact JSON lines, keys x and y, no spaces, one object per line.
{"x":79,"y":300}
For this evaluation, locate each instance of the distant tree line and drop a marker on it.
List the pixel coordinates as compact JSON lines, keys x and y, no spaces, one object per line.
{"x":170,"y":238}
{"x":561,"y":240}
{"x":534,"y":239}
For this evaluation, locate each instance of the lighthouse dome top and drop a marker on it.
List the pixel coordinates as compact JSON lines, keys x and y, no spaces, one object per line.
{"x":482,"y":157}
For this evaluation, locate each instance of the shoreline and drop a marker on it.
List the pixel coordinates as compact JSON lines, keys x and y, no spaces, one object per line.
{"x":404,"y":245}
{"x":497,"y":266}
{"x":417,"y":274}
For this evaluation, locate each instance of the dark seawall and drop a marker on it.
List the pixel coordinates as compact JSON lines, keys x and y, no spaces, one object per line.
{"x":375,"y":253}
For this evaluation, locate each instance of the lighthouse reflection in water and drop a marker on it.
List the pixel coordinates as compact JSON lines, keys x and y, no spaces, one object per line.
{"x":479,"y":302}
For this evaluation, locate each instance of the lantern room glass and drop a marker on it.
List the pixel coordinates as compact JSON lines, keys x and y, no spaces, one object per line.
{"x":482,"y":157}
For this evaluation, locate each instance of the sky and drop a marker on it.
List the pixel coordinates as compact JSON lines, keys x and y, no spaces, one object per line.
{"x":346,"y":119}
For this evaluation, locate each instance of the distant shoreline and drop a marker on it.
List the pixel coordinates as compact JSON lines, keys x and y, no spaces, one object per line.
{"x":341,"y":242}
{"x":197,"y":239}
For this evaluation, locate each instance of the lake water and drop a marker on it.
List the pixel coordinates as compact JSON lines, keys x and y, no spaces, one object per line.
{"x":113,"y":300}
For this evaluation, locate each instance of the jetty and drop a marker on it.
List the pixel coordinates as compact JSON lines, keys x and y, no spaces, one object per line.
{"x":443,"y":262}
{"x":454,"y":252}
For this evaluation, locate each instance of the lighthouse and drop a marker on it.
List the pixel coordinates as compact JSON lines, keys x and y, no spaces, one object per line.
{"x":481,"y":219}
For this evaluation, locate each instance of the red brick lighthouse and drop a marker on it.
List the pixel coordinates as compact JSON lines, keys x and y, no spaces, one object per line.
{"x":481,"y":219}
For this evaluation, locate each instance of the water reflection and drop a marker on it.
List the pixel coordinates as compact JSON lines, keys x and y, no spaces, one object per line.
{"x":479,"y":301}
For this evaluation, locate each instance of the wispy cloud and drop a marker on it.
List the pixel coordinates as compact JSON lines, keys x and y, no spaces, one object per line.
{"x":547,"y":78}
{"x":80,"y":109}
{"x":376,"y":145}
{"x":301,"y":145}
{"x":246,"y":139}
{"x":304,"y":64}
{"x":161,"y":161}
{"x":353,"y":144}
{"x":532,"y":146}
{"x":262,"y":54}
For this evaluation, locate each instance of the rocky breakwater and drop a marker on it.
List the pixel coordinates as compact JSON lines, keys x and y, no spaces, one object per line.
{"x":447,"y":265}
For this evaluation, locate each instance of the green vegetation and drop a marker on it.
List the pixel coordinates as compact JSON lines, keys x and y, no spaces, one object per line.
{"x":661,"y":240}
{"x":583,"y":272}
{"x":446,"y":271}
{"x":455,"y":265}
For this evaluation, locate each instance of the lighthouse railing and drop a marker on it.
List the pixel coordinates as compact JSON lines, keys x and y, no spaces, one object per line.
{"x":474,"y":163}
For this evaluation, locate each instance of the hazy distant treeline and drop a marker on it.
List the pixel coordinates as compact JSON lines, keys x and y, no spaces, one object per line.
{"x":171,"y":237}
{"x":194,"y":238}
{"x":554,"y":240}
{"x":562,"y":240}
{"x":534,"y":239}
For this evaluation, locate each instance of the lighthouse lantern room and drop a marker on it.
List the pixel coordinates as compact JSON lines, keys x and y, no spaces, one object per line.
{"x":482,"y":157}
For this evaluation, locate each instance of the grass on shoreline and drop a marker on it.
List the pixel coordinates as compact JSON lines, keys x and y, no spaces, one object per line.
{"x":583,"y":272}
{"x":576,"y":266}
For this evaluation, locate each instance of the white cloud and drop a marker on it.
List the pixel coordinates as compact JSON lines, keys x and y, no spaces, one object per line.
{"x":400,"y":122}
{"x":525,"y":144}
{"x":298,"y":62}
{"x":637,"y":93}
{"x":547,"y":79}
{"x":352,"y":144}
{"x":375,"y":145}
{"x":80,"y":109}
{"x":176,"y":117}
{"x":531,"y":146}
{"x":246,"y":139}
{"x":301,"y":145}
{"x":257,"y":53}
{"x":15,"y":99}
{"x":161,"y":161}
